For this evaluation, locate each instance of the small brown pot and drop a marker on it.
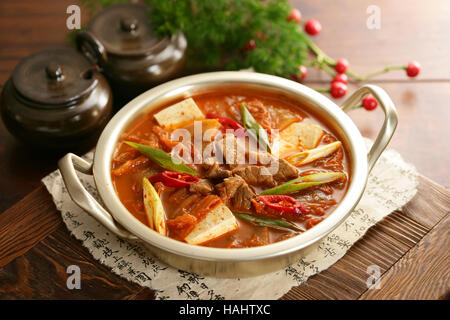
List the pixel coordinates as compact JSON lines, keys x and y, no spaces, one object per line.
{"x":56,"y":99}
{"x":121,"y":40}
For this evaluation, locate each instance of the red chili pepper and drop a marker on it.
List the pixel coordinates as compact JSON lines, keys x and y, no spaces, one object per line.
{"x":228,"y":123}
{"x":174,"y":179}
{"x":282,"y":203}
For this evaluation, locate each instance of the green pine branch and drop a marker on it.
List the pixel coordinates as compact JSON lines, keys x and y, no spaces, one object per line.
{"x":218,"y":31}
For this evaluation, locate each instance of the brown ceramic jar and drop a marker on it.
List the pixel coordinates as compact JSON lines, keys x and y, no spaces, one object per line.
{"x":121,"y":40}
{"x":56,"y":99}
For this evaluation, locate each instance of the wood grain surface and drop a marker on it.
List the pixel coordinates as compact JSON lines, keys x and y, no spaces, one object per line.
{"x":23,"y":278}
{"x":421,"y":273}
{"x":410,"y":246}
{"x":386,"y":245}
{"x":23,"y":226}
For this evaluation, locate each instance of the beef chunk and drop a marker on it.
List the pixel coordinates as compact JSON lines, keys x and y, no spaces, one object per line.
{"x":286,"y":171}
{"x":213,"y":170}
{"x":242,"y":198}
{"x":236,"y":193}
{"x":255,"y":175}
{"x":202,"y":187}
{"x":228,"y":188}
{"x":261,"y":168}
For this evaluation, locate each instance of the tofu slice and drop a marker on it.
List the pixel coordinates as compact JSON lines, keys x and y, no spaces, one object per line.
{"x":216,"y":223}
{"x":179,"y":113}
{"x":300,"y":134}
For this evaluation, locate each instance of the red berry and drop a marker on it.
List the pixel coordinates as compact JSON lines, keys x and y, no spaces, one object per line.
{"x":369,"y":103}
{"x":338,"y":89}
{"x":295,"y":15}
{"x":250,"y":45}
{"x":341,"y":65}
{"x":303,"y":72}
{"x":341,"y":77}
{"x":413,"y":69}
{"x":313,"y":27}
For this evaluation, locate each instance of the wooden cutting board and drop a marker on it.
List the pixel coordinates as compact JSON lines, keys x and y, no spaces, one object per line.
{"x":410,"y":247}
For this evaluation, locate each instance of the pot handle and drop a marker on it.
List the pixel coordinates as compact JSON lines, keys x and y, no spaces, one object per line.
{"x":68,"y":166}
{"x":390,"y":118}
{"x":91,"y":47}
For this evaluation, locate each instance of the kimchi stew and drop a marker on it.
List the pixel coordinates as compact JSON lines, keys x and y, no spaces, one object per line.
{"x":230,"y":169}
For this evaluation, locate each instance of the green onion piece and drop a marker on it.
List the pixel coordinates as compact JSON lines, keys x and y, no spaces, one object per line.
{"x":161,"y":158}
{"x":255,"y":129}
{"x":268,"y":222}
{"x":304,"y":182}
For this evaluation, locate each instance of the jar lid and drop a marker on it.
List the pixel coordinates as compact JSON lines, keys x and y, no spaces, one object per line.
{"x":55,"y":76}
{"x":125,"y":29}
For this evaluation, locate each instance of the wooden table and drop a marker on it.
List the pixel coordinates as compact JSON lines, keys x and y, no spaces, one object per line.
{"x":411,"y":245}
